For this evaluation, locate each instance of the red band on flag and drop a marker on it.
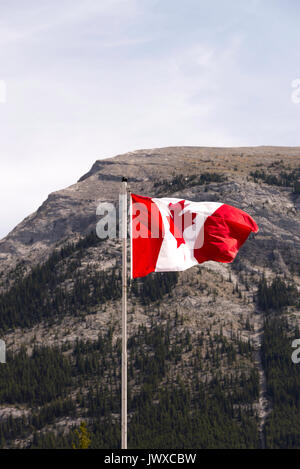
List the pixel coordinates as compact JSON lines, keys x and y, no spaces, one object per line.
{"x":224,"y":234}
{"x":146,"y":236}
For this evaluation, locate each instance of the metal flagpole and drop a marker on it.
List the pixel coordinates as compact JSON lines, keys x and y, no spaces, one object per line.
{"x":124,"y":316}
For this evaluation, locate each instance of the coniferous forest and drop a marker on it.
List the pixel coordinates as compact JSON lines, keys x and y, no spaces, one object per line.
{"x":185,"y":391}
{"x":164,"y":411}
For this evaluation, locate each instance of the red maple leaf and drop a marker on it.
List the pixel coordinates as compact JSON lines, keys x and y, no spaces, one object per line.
{"x":179,"y":221}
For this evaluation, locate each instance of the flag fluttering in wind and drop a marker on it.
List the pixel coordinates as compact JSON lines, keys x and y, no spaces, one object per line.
{"x":170,"y":234}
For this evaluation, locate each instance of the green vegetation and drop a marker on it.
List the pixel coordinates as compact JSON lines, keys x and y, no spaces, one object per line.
{"x":170,"y":407}
{"x":154,"y":286}
{"x":82,"y":438}
{"x":60,"y":287}
{"x":283,"y":381}
{"x":40,"y":295}
{"x":276,"y":295}
{"x":283,"y":179}
{"x":180,"y":181}
{"x":37,"y":379}
{"x":185,"y":391}
{"x":297,"y":187}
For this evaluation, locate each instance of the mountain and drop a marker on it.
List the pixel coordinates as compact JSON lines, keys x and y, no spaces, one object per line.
{"x":209,"y":349}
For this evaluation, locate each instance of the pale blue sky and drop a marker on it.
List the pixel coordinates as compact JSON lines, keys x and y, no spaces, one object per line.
{"x":88,"y":79}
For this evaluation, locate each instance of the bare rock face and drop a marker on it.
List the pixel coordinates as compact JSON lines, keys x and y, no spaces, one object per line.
{"x":70,"y":213}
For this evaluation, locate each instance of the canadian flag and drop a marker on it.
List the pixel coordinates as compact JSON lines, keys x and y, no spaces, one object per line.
{"x":170,"y":234}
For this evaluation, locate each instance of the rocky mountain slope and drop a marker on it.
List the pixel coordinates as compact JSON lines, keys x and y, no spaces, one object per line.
{"x":212,"y":317}
{"x":71,"y":212}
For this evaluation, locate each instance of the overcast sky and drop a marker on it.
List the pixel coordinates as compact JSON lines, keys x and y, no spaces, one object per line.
{"x":89,"y":79}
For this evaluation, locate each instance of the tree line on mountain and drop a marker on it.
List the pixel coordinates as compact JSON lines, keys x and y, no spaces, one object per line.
{"x":45,"y":293}
{"x":283,"y":179}
{"x":277,"y":294}
{"x":169,"y":405}
{"x":38,"y":295}
{"x":180,"y":182}
{"x":38,"y":379}
{"x":282,"y":429}
{"x":154,"y":287}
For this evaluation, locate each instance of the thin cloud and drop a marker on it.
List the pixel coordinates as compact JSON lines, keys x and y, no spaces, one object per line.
{"x":90,"y":79}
